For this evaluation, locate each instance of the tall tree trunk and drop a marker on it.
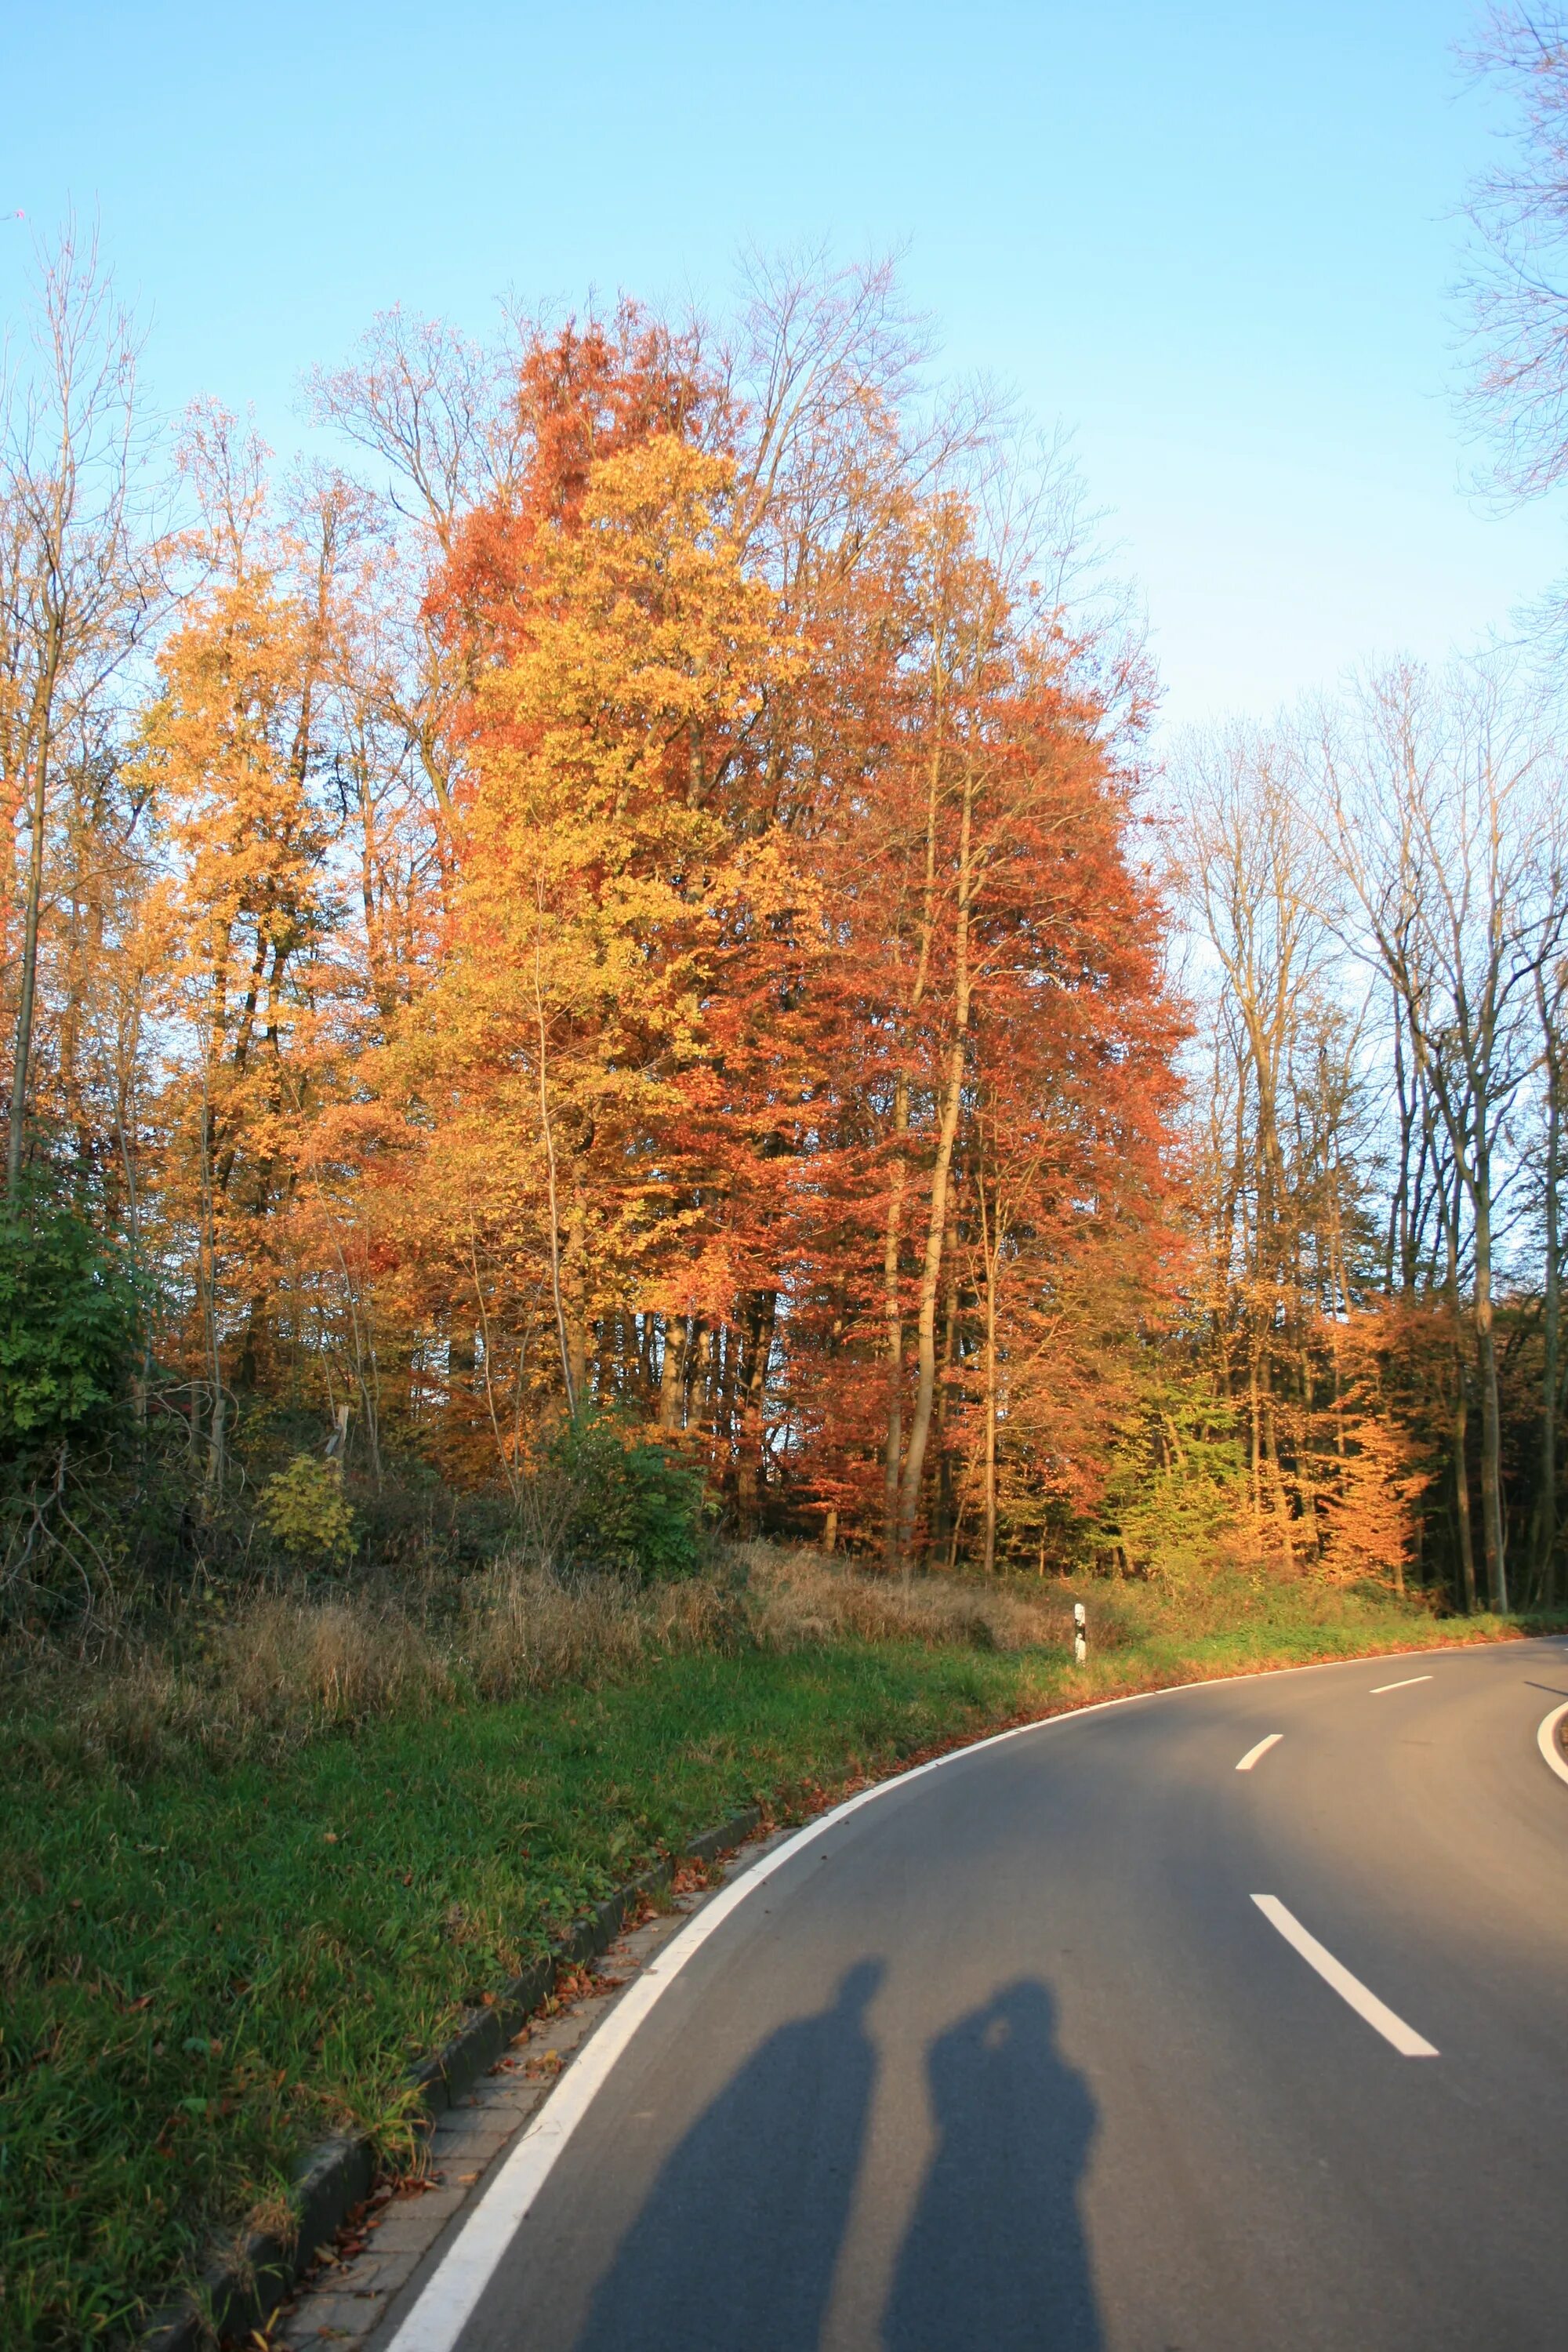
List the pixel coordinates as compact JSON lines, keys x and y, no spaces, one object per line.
{"x":1492,"y":1532}
{"x":990,"y":1247}
{"x":574,"y":1276}
{"x":1461,"y":1417}
{"x":898,"y":1173}
{"x":753,"y":1415}
{"x":942,"y":1520}
{"x":212,"y":1476}
{"x":1545,"y":1545}
{"x":725,"y":1386}
{"x":1462,"y":1528}
{"x":16,"y":1125}
{"x":1399,"y":1269}
{"x":893,"y":1318}
{"x":573,"y":1342}
{"x":936,"y":1223}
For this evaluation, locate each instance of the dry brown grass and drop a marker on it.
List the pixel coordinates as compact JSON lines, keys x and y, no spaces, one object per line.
{"x":525,"y":1631}
{"x":283,"y":1669}
{"x":798,"y":1597}
{"x":338,"y":1661}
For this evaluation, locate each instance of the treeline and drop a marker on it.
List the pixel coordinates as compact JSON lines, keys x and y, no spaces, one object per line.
{"x":626,"y":904}
{"x":1381,"y":892}
{"x":637,"y":904}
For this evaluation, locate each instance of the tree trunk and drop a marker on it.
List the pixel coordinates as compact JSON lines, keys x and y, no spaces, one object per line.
{"x":1492,"y":1533}
{"x":1460,"y":1422}
{"x":899,"y":1174}
{"x":699,"y":1376}
{"x":893,"y":1312}
{"x":725,"y":1386}
{"x":16,"y":1126}
{"x":1545,"y":1546}
{"x":990,"y":1497}
{"x":990,"y":1251}
{"x":1462,"y":1490}
{"x":212,"y":1476}
{"x":936,"y":1224}
{"x":753,"y":1415}
{"x":672,"y":1369}
{"x":942,"y":1518}
{"x":574,"y":1308}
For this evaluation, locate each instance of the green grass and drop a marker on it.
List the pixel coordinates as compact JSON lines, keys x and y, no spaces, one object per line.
{"x":203,"y":1971}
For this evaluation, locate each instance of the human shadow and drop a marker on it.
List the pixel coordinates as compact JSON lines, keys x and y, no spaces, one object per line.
{"x":995,"y":2252}
{"x":735,"y":2248}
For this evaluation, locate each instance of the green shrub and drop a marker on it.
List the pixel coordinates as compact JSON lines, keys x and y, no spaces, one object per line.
{"x":305,"y":1510}
{"x":637,"y":1508}
{"x":1176,"y":1486}
{"x":69,"y":1327}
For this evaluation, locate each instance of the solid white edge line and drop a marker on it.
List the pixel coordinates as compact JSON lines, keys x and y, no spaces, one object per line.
{"x":1367,"y":2004}
{"x":1408,"y":1683}
{"x":1546,"y":1740}
{"x":451,"y":2292}
{"x":1262,"y":1748}
{"x":450,"y":2295}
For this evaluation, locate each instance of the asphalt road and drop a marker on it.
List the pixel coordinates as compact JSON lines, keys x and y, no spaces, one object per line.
{"x":1012,"y":2057}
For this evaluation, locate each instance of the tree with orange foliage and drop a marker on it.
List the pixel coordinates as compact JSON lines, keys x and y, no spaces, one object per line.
{"x":1376,"y":1474}
{"x":568,"y":1039}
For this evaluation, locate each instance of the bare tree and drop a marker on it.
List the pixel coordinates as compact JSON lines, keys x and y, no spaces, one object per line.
{"x":77,"y":585}
{"x":1552,"y":1015}
{"x":1517,"y":289}
{"x":1253,"y":877}
{"x":433,"y":407}
{"x":1439,"y":795}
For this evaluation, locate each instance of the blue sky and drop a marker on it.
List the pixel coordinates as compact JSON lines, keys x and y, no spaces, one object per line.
{"x":1216,"y":240}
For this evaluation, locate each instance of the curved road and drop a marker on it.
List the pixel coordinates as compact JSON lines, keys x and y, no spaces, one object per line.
{"x":1012,"y":2056}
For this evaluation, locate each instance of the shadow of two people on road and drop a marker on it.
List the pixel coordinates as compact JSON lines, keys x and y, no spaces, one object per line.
{"x":735,"y":2247}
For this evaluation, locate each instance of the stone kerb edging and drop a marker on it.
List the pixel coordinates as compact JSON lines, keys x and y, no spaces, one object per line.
{"x":238,"y":2295}
{"x":1550,"y":1739}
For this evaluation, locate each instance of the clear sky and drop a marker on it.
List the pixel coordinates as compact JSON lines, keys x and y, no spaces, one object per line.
{"x":1215,"y":239}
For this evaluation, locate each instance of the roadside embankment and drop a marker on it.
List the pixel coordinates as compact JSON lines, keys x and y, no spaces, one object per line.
{"x":253,"y":1875}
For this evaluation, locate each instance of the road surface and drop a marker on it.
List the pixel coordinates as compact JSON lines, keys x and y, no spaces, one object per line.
{"x":1227,"y":2019}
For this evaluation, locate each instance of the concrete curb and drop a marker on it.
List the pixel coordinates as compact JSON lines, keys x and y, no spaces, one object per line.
{"x":1549,"y":1741}
{"x":238,"y":2295}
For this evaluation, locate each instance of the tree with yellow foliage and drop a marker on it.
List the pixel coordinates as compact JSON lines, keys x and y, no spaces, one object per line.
{"x":566,"y":1046}
{"x":230,"y":751}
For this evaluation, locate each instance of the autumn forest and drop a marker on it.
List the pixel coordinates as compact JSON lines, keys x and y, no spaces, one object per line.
{"x":644,"y":907}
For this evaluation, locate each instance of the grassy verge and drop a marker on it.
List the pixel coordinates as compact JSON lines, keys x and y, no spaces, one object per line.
{"x":204,"y":1966}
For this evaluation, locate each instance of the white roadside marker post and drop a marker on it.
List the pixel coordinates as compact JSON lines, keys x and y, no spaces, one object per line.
{"x":1079,"y":1633}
